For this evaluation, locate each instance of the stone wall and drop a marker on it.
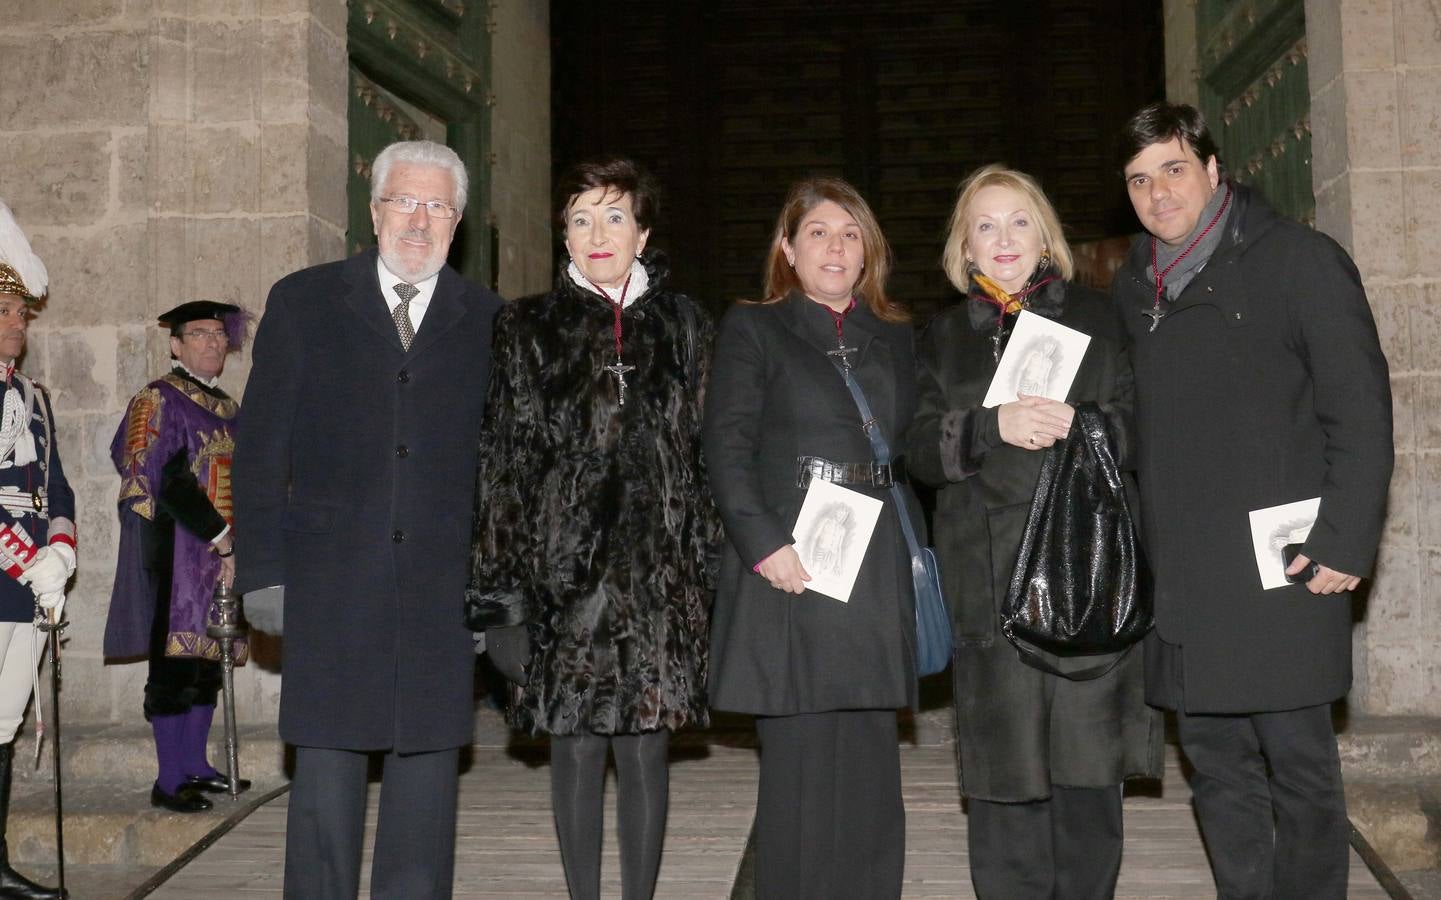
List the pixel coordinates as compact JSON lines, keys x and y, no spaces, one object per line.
{"x":520,"y":137}
{"x":158,"y":151}
{"x":1375,"y":69}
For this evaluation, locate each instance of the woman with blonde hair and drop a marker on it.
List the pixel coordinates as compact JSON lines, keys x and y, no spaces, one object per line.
{"x":1041,"y":757}
{"x":824,"y":677}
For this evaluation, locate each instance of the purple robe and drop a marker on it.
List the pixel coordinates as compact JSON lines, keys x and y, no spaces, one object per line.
{"x":176,"y":423}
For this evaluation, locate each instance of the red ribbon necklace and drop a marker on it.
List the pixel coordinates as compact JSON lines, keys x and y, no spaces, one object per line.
{"x":842,"y":352}
{"x":1155,"y":311}
{"x":617,"y":368}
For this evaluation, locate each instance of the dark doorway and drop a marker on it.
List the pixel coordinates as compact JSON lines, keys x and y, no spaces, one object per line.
{"x":731,"y":100}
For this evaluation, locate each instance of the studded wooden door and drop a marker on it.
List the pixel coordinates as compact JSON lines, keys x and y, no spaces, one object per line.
{"x":1255,"y":94}
{"x":421,"y":69}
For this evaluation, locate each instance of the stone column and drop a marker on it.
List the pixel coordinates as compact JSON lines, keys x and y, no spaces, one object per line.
{"x":1375,"y":70}
{"x":520,"y":135}
{"x":1183,"y":68}
{"x":158,"y":151}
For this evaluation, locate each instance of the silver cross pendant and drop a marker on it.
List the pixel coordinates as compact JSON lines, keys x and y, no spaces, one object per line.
{"x":842,"y":353}
{"x":1156,"y":316}
{"x":618,"y":369}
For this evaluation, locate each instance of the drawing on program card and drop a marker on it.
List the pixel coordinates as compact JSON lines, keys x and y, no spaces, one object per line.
{"x":832,"y":532}
{"x":1041,"y":360}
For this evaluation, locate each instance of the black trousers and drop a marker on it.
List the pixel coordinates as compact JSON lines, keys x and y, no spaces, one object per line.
{"x":1277,"y":836}
{"x":174,"y":684}
{"x":829,"y":820}
{"x":1064,"y":848}
{"x":415,"y":833}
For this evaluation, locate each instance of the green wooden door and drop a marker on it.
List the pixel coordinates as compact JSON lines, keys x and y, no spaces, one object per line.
{"x":421,"y":69}
{"x":1256,"y":96}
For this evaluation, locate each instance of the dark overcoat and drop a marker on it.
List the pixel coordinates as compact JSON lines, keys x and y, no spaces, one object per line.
{"x":1019,"y":730}
{"x":1263,"y":384}
{"x":354,"y":472}
{"x":774,"y":396}
{"x":594,"y":524}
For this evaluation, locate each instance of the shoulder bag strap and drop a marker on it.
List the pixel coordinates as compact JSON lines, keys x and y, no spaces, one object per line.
{"x":882,"y":452}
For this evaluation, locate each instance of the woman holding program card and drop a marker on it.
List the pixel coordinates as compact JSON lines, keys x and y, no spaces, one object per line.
{"x":824,"y":676}
{"x":1041,"y":757}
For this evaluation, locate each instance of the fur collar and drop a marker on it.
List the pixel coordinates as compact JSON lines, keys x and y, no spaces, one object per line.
{"x":657,"y":268}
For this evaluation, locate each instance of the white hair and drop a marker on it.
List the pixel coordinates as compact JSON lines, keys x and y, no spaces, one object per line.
{"x":419,"y":153}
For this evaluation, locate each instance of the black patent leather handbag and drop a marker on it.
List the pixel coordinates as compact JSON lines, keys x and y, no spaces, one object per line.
{"x":1079,"y":596}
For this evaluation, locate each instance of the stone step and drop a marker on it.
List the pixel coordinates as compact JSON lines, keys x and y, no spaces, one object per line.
{"x":123,"y":756}
{"x":112,"y":826}
{"x":1401,"y":818}
{"x":1391,"y":747}
{"x":91,"y":882}
{"x":1392,"y":766}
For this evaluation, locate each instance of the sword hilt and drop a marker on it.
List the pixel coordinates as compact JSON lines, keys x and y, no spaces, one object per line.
{"x":51,"y":620}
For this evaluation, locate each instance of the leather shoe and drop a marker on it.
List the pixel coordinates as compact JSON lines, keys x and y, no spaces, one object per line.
{"x":219,"y":783}
{"x":184,"y":800}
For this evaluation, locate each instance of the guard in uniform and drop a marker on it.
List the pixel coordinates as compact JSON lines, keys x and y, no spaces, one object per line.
{"x":173,"y":453}
{"x":37,"y":520}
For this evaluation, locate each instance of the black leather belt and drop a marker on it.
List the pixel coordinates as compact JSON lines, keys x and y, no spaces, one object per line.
{"x":870,"y":473}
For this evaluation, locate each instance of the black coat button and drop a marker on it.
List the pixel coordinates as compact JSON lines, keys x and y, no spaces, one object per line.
{"x":398,"y":536}
{"x":403,"y":376}
{"x":402,"y":451}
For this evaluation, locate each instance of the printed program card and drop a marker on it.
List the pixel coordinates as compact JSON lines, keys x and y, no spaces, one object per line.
{"x":1273,"y":528}
{"x":832,"y":532}
{"x":1041,"y":360}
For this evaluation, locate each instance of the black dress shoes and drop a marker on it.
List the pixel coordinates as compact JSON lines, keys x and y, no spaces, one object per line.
{"x":184,"y":800}
{"x":219,"y":783}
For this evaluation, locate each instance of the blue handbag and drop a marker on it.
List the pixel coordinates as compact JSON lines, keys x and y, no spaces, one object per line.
{"x":933,"y":621}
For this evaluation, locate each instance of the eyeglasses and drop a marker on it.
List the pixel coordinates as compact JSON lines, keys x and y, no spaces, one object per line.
{"x":408,"y":205}
{"x":202,"y":335}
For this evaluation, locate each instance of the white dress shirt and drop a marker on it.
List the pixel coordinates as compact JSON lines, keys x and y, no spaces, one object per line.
{"x":418,"y":304}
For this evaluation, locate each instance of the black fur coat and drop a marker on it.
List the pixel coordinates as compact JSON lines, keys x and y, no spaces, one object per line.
{"x":594,"y":525}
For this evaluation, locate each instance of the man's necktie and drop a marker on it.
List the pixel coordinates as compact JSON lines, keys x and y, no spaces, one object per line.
{"x":402,"y":313}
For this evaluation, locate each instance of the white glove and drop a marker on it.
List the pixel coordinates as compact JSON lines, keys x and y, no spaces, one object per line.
{"x":47,"y":574}
{"x":265,"y":609}
{"x":67,"y":553}
{"x":52,"y":600}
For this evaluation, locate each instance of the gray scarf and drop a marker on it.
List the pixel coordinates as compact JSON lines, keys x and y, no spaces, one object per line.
{"x":1191,"y":266}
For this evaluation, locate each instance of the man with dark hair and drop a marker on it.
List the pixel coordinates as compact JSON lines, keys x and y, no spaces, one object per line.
{"x":354,"y":480}
{"x":173,"y":450}
{"x":1259,"y":382}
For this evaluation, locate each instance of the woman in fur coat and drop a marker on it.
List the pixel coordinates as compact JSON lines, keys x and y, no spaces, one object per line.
{"x":594,"y":526}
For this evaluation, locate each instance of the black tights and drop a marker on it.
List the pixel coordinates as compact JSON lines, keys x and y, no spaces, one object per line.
{"x":577,"y":782}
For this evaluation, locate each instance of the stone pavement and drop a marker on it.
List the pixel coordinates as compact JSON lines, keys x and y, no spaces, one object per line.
{"x":507,"y":847}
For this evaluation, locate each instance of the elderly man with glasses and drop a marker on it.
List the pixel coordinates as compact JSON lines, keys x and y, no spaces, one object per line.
{"x":173,"y":452}
{"x":353,"y":485}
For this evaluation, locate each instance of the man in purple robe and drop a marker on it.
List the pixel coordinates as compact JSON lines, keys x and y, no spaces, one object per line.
{"x":173,"y":452}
